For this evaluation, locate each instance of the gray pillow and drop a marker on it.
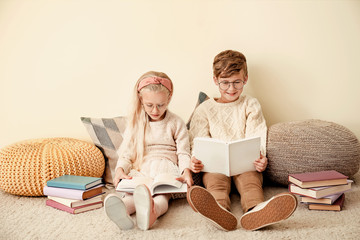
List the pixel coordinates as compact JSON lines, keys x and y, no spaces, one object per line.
{"x":310,"y":145}
{"x":107,"y":135}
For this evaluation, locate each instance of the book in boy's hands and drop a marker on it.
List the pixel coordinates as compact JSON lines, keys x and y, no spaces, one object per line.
{"x":336,"y":206}
{"x":162,"y":183}
{"x":318,"y":179}
{"x":75,"y":202}
{"x":320,"y":192}
{"x":73,"y":193}
{"x":325,"y":200}
{"x":74,"y":210}
{"x":229,"y":158}
{"x":74,"y":182}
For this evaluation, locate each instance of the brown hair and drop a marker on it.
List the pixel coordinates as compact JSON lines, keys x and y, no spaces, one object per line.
{"x":229,"y":62}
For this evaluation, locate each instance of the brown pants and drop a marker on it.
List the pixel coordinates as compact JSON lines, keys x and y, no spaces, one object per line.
{"x":248,"y":184}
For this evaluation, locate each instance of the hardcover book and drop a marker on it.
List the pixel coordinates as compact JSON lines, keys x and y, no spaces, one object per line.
{"x":229,"y":158}
{"x":337,"y":206}
{"x":163,"y":183}
{"x":319,"y":192}
{"x":318,"y":179}
{"x":74,"y":182}
{"x":74,"y":210}
{"x":75,"y":202}
{"x":73,"y":193}
{"x":325,"y":200}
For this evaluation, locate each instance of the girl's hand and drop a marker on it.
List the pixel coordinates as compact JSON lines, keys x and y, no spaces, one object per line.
{"x":120,"y":174}
{"x":195,"y":165}
{"x":261,"y":163}
{"x":186,"y":177}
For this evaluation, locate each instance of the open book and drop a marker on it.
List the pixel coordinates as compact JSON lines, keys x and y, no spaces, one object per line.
{"x":229,"y":158}
{"x":162,"y":183}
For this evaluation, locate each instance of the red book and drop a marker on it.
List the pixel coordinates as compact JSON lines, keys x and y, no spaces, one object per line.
{"x":337,"y":206}
{"x":74,"y":210}
{"x":318,"y":179}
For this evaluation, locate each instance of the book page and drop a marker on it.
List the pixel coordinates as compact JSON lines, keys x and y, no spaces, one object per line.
{"x":128,"y":185}
{"x":167,"y":183}
{"x":166,"y":179}
{"x":242,"y":154}
{"x":161,"y":189}
{"x":213,"y":154}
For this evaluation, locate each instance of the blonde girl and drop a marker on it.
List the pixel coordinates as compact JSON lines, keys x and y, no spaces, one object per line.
{"x":155,"y":141}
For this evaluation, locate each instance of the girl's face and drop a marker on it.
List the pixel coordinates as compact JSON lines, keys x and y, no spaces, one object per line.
{"x":231,"y":87}
{"x":155,"y":104}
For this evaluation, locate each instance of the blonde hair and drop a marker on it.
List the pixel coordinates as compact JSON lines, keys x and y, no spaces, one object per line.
{"x":139,"y":120}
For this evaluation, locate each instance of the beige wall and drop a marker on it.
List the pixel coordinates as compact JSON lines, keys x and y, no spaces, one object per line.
{"x":62,"y":59}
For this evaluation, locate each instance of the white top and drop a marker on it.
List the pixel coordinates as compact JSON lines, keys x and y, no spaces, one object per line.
{"x":240,"y":119}
{"x":167,"y":146}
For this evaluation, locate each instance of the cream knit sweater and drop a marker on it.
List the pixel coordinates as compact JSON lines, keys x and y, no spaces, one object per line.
{"x":240,"y":119}
{"x":167,"y":139}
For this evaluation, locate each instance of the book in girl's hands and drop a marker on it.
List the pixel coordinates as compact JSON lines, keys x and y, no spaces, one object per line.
{"x":337,"y":206}
{"x":325,"y":200}
{"x":229,"y":158}
{"x":74,"y":182}
{"x":73,"y":193}
{"x":320,"y":192}
{"x":162,"y":183}
{"x":75,"y":202}
{"x":318,"y":179}
{"x":74,"y":210}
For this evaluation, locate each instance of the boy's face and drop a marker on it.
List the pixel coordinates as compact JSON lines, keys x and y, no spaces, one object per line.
{"x":231,"y":87}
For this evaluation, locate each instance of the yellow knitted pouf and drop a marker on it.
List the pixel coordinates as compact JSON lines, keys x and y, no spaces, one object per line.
{"x":26,"y":166}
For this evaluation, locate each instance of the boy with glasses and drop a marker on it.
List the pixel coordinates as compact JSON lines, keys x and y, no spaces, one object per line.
{"x":234,"y":116}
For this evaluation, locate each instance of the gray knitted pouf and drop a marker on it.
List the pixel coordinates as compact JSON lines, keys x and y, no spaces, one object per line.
{"x":308,"y":146}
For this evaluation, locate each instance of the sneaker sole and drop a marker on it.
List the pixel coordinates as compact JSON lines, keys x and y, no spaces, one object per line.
{"x":271,"y":213}
{"x":115,"y":209}
{"x":142,"y":199}
{"x":203,"y":202}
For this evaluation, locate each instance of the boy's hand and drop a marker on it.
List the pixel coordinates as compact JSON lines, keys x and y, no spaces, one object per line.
{"x":195,"y":165}
{"x":120,"y":174}
{"x":186,"y":177}
{"x":261,"y":163}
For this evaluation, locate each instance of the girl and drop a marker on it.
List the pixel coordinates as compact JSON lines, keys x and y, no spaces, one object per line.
{"x":155,"y":141}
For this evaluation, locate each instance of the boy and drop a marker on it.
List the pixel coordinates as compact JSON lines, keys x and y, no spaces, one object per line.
{"x":234,"y":116}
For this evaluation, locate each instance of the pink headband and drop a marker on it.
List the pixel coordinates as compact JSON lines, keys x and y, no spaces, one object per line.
{"x":155,"y":80}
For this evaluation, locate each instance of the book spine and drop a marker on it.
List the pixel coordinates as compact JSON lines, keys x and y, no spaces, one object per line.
{"x":228,"y":170}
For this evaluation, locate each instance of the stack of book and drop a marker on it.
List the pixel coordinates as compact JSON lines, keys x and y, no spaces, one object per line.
{"x":324,"y":190}
{"x":74,"y":194}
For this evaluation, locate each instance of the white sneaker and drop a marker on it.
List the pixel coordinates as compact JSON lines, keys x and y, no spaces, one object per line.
{"x":144,"y":205}
{"x":276,"y":209}
{"x":115,"y":209}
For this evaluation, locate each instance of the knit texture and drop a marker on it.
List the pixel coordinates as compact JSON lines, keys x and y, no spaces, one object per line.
{"x":166,"y":139}
{"x":309,"y":146}
{"x":26,"y":166}
{"x":240,"y":119}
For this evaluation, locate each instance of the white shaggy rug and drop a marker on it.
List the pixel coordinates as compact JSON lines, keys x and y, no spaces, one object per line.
{"x":29,"y":218}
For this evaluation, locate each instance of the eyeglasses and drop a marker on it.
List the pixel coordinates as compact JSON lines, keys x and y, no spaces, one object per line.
{"x":150,"y":107}
{"x":225,"y":85}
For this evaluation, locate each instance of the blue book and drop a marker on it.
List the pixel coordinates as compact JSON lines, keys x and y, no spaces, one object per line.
{"x":74,"y":182}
